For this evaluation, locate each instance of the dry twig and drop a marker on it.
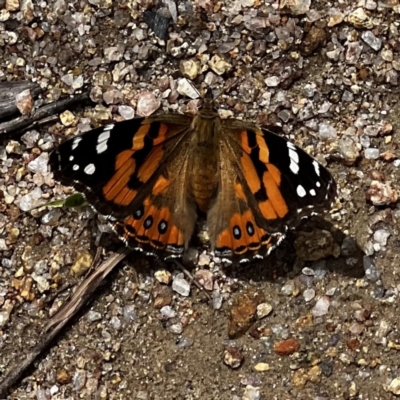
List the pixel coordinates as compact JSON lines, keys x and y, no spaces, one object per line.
{"x":81,"y":296}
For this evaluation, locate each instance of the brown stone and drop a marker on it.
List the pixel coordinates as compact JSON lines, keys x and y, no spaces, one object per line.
{"x":243,"y":312}
{"x":286,"y":347}
{"x":63,"y":376}
{"x":162,"y":296}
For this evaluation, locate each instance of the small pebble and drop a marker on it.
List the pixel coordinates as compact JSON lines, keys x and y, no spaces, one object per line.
{"x":129,"y":313}
{"x":168,"y":312}
{"x":93,"y":316}
{"x":82,"y":264}
{"x":371,"y":153}
{"x":251,"y":393}
{"x":115,"y":322}
{"x":39,"y":164}
{"x":126,"y":112}
{"x":147,"y":104}
{"x":327,"y":131}
{"x":371,"y":273}
{"x":382,"y":332}
{"x":381,"y":236}
{"x":288,"y":289}
{"x":176,"y":328}
{"x":233,"y":357}
{"x":286,"y":347}
{"x":185,"y":88}
{"x":261,"y":367}
{"x":394,"y":386}
{"x":263,"y":310}
{"x":372,"y":41}
{"x":308,"y":271}
{"x":180,"y":285}
{"x":217,"y":297}
{"x":321,"y":307}
{"x":381,"y":193}
{"x":309,"y":294}
{"x":184,"y":342}
{"x":272,"y":81}
{"x":205,"y":278}
{"x":163,"y":276}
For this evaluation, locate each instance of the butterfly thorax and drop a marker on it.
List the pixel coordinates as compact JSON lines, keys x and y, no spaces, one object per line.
{"x":204,"y":163}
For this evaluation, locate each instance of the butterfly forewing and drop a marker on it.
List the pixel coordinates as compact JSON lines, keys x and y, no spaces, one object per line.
{"x":283,"y":179}
{"x":112,"y":165}
{"x":304,"y":181}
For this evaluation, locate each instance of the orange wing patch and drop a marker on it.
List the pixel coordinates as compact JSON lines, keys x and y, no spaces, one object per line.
{"x":267,"y":210}
{"x":274,"y":195}
{"x":239,"y":191}
{"x":151,"y":226}
{"x":116,"y":187}
{"x":250,"y":173}
{"x":138,"y":138}
{"x":264,"y":150}
{"x":242,"y":235}
{"x":244,"y":142}
{"x":161,"y":186}
{"x":162,"y":134}
{"x":151,"y":163}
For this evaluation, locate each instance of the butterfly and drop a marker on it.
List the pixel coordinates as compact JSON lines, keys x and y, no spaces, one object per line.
{"x":156,"y":177}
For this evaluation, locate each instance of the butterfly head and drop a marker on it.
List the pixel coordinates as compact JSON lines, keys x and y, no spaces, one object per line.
{"x":208,"y":106}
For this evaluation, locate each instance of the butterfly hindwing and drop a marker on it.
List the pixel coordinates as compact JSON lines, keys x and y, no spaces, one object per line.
{"x":165,"y":220}
{"x":232,"y":220}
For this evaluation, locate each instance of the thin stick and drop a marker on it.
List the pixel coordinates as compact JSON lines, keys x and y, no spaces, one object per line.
{"x":62,"y":317}
{"x":25,"y":121}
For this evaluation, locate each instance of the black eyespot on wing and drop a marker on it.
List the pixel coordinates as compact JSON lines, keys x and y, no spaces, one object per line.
{"x":162,"y":226}
{"x":237,"y":232}
{"x":148,"y":222}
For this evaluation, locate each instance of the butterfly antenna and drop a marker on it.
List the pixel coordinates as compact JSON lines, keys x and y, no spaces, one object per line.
{"x":238,"y":79}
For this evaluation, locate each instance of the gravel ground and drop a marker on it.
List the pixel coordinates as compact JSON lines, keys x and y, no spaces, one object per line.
{"x":316,"y":320}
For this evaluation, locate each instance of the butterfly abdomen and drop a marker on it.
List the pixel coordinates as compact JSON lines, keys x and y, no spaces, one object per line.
{"x":204,"y":174}
{"x":204,"y":178}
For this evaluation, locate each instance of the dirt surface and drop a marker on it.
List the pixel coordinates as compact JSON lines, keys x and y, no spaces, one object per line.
{"x":319,"y":318}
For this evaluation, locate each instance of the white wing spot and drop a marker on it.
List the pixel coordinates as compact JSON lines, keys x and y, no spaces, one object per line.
{"x":316,"y":167}
{"x":109,"y":127}
{"x":103,"y":137}
{"x":291,"y":146}
{"x":301,"y":191}
{"x":294,"y":161}
{"x":101,"y":147}
{"x":75,"y":167}
{"x":71,"y":158}
{"x":312,"y":192}
{"x":75,"y":142}
{"x":294,"y":167}
{"x":90,"y":169}
{"x":102,"y":140}
{"x":294,"y":156}
{"x":318,"y":184}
